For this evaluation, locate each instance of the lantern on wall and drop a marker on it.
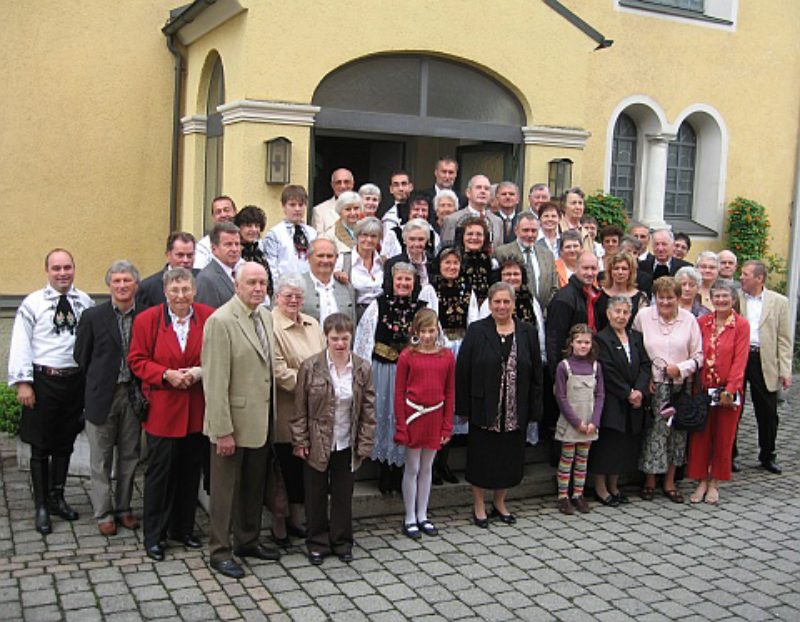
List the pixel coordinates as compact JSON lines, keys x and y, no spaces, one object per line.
{"x":279,"y":160}
{"x":559,"y":176}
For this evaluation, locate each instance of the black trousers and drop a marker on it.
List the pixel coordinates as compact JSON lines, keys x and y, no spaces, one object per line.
{"x":336,"y":535}
{"x":291,"y":470}
{"x":765,"y":404}
{"x":57,"y":416}
{"x":170,"y":486}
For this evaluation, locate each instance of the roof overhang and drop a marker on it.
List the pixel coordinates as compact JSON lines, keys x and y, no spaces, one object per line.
{"x":194,"y":20}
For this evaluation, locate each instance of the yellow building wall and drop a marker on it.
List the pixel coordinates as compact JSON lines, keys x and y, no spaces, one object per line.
{"x":87,"y":123}
{"x":85,"y":137}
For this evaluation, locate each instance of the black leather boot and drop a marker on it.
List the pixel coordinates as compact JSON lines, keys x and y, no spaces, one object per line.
{"x":444,"y":468}
{"x":39,"y":477}
{"x":397,"y":479}
{"x":385,"y":479}
{"x":59,"y":466}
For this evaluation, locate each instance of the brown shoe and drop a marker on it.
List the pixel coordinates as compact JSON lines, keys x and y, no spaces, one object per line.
{"x":129,"y":521}
{"x":581,"y":504}
{"x":565,"y":506}
{"x":107,"y":528}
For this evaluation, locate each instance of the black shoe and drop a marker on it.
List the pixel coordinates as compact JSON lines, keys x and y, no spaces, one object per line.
{"x":508,"y":519}
{"x":772,"y":467}
{"x":284,"y":542}
{"x":428,"y":528}
{"x":61,"y":508}
{"x":412,"y":531}
{"x":609,"y":500}
{"x":621,"y":498}
{"x":436,"y":478}
{"x":315,"y":558}
{"x":346,"y":557}
{"x":228,"y":567}
{"x":483,"y":523}
{"x":297,"y":532}
{"x":190,"y":541}
{"x":155,"y":552}
{"x":259,"y":551}
{"x":448,"y":475}
{"x":735,"y":467}
{"x":43,"y":525}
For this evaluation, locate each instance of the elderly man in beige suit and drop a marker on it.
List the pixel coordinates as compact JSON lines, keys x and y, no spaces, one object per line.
{"x":238,"y":360}
{"x":769,"y":366}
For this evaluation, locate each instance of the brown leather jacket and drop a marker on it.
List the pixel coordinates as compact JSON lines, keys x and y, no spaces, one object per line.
{"x":312,"y":421}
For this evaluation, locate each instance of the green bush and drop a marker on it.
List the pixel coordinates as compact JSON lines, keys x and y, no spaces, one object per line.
{"x":748,"y":229}
{"x":607,"y":209}
{"x":10,"y":410}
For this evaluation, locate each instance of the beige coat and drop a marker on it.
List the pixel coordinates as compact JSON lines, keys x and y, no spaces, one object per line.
{"x":312,"y":422}
{"x":237,"y":376}
{"x":294,"y":344}
{"x":774,"y":335}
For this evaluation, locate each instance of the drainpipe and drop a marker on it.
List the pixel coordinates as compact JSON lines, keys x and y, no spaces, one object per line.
{"x":176,"y":133}
{"x":793,"y":275}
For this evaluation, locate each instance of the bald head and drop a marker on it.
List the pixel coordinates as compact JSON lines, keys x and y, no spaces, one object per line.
{"x":586,"y":267}
{"x":478,"y":192}
{"x":341,"y":181}
{"x":727,"y":264}
{"x":251,"y":284}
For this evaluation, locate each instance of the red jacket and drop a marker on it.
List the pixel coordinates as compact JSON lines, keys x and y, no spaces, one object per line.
{"x":730,"y":359}
{"x":154,"y":349}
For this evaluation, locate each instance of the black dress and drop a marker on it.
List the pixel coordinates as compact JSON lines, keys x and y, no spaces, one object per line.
{"x":601,"y":307}
{"x":496,"y":460}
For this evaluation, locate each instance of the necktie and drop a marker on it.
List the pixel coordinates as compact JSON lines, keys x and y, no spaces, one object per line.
{"x":64,"y":317}
{"x":262,"y":337}
{"x":532,"y":284}
{"x":300,"y":240}
{"x":507,"y":229}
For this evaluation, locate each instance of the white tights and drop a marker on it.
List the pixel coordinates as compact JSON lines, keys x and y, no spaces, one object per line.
{"x":417,"y":483}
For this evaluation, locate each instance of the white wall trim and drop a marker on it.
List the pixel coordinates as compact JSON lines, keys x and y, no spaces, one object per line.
{"x":550,"y":136}
{"x":194,"y":124}
{"x":259,"y":111}
{"x":214,"y":15}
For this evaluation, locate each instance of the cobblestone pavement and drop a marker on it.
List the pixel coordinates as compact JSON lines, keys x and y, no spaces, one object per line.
{"x":644,"y":561}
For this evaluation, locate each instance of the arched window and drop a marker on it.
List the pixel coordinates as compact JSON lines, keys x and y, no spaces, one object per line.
{"x":623,"y":161}
{"x":679,"y":193}
{"x":213,"y":164}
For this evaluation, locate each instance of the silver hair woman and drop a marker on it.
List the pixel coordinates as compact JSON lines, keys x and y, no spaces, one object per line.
{"x":370,"y":198}
{"x":363,"y":269}
{"x":383,"y":332}
{"x":348,"y":206}
{"x":708,"y":267}
{"x":689,"y":281}
{"x":444,"y":204}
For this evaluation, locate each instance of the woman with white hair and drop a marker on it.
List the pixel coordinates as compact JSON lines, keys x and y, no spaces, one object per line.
{"x":382,"y":334}
{"x":297,"y":337}
{"x":363,"y":266}
{"x":444,"y":204}
{"x":689,"y":280}
{"x":370,"y":200}
{"x":348,"y":207}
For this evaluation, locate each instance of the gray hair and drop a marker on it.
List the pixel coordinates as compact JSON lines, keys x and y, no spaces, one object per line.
{"x":630,"y":241}
{"x":473,"y":178}
{"x":507,"y":184}
{"x":731,"y":253}
{"x":290,"y":280}
{"x":691,"y":273}
{"x":445,"y":194}
{"x":220,"y":228}
{"x":501,"y":286}
{"x":527,"y":215}
{"x":347,"y":198}
{"x":369,"y":190}
{"x":615,"y":301}
{"x":413,"y":225}
{"x":724,"y":285}
{"x":403,"y":266}
{"x":122,"y":265}
{"x":539,"y":186}
{"x":668,"y":233}
{"x":369,"y":226}
{"x":312,"y":247}
{"x":710,"y":255}
{"x":177,"y":274}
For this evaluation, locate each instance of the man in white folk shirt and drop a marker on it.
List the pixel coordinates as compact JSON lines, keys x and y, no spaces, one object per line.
{"x":49,"y":383}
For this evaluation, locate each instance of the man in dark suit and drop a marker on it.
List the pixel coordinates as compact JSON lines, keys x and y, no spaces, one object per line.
{"x":215,"y":281}
{"x":444,"y":176}
{"x":180,"y":254}
{"x":478,"y":194}
{"x":642,"y":233}
{"x":507,"y":196}
{"x":538,"y":261}
{"x":662,"y":263}
{"x":324,"y":295}
{"x":101,"y":351}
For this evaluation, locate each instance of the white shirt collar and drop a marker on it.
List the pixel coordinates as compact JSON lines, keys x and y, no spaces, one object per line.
{"x":228,"y":271}
{"x":319,"y":284}
{"x":332,"y":365}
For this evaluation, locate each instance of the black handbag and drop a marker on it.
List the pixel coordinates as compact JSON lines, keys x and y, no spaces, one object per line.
{"x":139,"y":403}
{"x":691,"y":404}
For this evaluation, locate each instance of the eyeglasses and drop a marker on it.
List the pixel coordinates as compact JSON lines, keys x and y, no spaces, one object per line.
{"x":291,"y":296}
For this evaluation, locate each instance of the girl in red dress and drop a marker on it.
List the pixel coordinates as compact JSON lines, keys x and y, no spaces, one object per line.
{"x":423,"y":406}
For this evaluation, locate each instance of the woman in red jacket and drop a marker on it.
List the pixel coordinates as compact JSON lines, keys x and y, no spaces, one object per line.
{"x":726,"y":340}
{"x":423,"y":407}
{"x":165,"y":356}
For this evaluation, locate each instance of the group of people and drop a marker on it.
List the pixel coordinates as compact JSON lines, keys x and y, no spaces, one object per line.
{"x":269,"y":368}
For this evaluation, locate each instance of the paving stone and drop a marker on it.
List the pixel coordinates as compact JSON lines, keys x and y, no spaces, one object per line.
{"x":92,"y":614}
{"x":196,"y":613}
{"x":372,"y":603}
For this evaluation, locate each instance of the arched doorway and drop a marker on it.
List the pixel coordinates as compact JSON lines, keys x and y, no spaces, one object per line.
{"x":390,"y":112}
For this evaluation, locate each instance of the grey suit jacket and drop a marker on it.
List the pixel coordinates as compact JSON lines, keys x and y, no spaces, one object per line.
{"x":343,"y":294}
{"x":452,"y":222}
{"x":547,"y":286}
{"x":214,"y":286}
